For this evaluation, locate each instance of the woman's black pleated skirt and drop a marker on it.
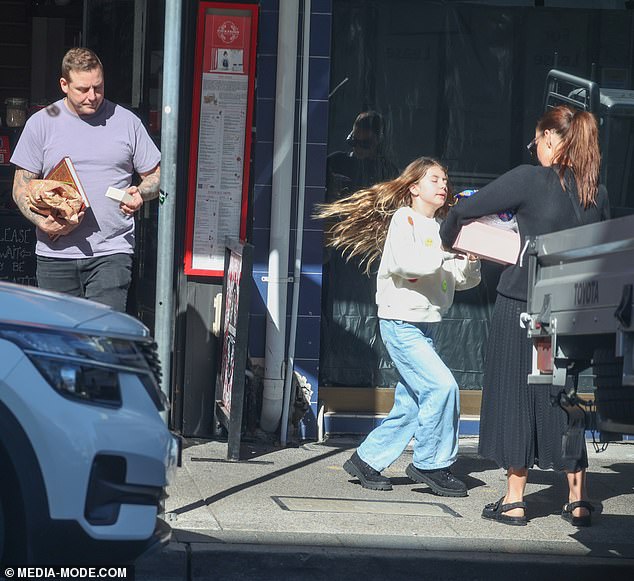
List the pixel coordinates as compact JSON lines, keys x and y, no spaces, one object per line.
{"x":519,"y":427}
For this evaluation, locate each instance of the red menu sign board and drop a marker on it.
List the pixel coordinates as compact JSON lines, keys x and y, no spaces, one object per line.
{"x":221,"y":133}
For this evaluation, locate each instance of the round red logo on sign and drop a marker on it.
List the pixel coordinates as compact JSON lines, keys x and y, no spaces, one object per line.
{"x":228,"y":31}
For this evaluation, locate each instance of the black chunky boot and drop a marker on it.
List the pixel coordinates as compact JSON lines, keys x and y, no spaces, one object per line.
{"x":368,"y":476}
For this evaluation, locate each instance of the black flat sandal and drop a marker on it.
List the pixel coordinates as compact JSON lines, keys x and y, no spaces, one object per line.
{"x":577,"y":521}
{"x":495,"y":511}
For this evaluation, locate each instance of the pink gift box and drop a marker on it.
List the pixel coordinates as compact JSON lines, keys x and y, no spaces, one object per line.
{"x":497,"y":243}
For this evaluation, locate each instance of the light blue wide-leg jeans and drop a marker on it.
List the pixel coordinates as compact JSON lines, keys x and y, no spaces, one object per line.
{"x":426,"y":402}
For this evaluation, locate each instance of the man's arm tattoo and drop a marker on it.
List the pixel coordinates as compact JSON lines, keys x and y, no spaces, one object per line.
{"x":150,"y":184}
{"x":20,"y":197}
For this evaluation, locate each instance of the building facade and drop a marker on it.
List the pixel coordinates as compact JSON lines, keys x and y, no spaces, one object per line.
{"x":462,"y":81}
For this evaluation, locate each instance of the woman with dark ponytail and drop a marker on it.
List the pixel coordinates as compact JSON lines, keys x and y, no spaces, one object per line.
{"x":519,"y":427}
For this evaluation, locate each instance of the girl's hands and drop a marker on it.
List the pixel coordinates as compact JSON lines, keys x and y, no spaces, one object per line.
{"x":462,"y":256}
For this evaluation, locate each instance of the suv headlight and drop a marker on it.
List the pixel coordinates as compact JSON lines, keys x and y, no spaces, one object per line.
{"x":85,"y":367}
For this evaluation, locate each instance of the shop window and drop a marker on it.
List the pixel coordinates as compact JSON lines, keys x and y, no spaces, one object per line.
{"x":463,"y":82}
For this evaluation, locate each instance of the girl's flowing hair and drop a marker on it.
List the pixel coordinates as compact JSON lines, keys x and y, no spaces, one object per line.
{"x":359,"y":222}
{"x":578,"y":149}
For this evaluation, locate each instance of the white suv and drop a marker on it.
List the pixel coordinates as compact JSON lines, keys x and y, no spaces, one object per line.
{"x":84,"y":453}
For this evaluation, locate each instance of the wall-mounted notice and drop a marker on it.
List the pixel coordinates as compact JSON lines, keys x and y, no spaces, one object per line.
{"x":221,"y":133}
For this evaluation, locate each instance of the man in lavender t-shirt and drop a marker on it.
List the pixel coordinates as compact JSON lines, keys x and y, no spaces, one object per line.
{"x":107,"y":145}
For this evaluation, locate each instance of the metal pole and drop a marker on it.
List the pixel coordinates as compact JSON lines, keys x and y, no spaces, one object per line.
{"x":164,"y":306}
{"x":281,"y":197}
{"x":299,"y":238}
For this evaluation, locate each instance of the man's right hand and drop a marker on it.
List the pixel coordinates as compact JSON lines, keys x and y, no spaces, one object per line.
{"x":56,"y":228}
{"x":48,"y":224}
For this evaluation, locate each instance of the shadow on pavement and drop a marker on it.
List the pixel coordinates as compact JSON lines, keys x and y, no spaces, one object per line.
{"x":244,"y":485}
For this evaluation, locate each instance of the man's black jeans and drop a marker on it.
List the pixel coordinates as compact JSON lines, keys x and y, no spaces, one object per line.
{"x":104,"y":279}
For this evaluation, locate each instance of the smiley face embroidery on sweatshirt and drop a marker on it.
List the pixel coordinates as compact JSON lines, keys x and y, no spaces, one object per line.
{"x":428,"y":243}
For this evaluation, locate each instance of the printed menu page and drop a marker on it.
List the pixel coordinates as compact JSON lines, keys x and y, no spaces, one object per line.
{"x":220,"y":168}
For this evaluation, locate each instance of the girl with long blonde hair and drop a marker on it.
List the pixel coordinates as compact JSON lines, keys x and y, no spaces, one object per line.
{"x":398,"y":222}
{"x":361,"y":220}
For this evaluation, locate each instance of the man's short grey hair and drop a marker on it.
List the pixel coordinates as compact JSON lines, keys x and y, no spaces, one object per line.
{"x":80,"y":59}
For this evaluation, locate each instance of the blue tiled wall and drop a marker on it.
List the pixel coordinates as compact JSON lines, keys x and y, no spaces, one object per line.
{"x":307,"y":347}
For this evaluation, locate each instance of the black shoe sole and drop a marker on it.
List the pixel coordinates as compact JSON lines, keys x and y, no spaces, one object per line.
{"x":515,"y":521}
{"x":439,"y":490}
{"x":351,"y":469}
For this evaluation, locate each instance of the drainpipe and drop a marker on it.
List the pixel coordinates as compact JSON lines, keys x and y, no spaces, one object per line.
{"x":299,"y":238}
{"x":164,"y":304}
{"x":273,"y":382}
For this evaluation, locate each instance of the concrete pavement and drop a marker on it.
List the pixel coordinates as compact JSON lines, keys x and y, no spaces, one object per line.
{"x":301,"y":500}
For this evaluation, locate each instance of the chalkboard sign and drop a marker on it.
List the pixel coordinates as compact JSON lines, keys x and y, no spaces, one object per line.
{"x":17,"y":249}
{"x":234,"y":328}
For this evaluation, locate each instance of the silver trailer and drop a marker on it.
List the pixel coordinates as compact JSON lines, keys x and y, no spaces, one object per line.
{"x":579,"y":317}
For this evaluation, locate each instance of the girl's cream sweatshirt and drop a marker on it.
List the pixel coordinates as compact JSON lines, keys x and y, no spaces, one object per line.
{"x":417,"y":278}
